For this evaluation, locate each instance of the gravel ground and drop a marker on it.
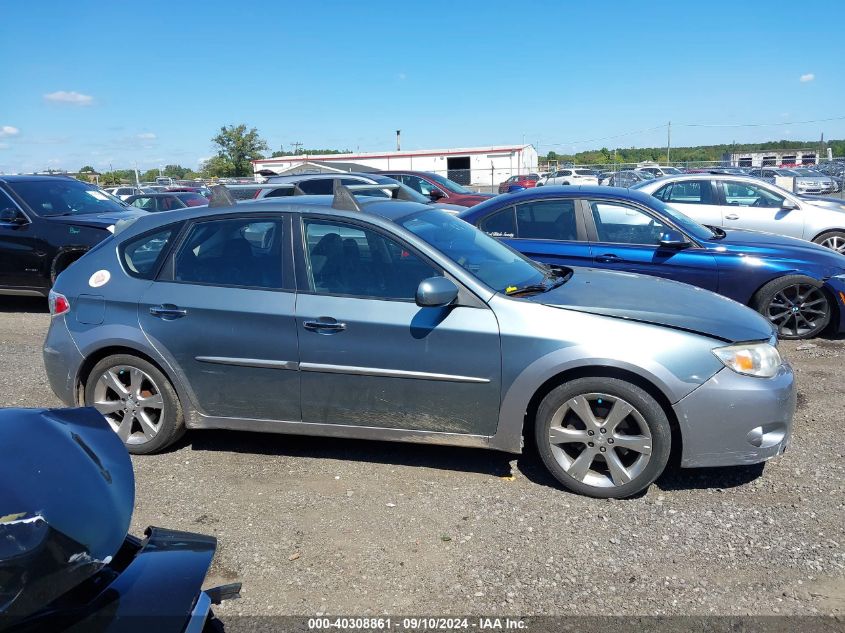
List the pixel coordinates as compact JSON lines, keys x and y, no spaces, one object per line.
{"x":340,"y":526}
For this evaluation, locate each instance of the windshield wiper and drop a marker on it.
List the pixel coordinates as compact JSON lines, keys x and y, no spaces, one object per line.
{"x":550,"y":282}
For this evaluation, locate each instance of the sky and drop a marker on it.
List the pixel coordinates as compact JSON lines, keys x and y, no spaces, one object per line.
{"x":125,"y":85}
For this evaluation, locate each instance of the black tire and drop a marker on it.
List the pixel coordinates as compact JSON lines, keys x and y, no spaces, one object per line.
{"x":779,"y":301}
{"x":834,"y":240}
{"x":650,"y":415}
{"x":170,"y":422}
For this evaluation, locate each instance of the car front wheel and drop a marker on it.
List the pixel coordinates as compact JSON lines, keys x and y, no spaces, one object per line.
{"x":603,"y":437}
{"x":138,"y":402}
{"x":834,"y":240}
{"x":796,"y":305}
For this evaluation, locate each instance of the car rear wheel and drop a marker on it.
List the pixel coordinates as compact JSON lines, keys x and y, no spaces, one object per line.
{"x":796,"y":305}
{"x":138,"y":402}
{"x":834,"y":240}
{"x":603,"y":437}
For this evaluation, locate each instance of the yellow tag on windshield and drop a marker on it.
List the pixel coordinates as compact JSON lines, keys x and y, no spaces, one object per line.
{"x":510,"y":289}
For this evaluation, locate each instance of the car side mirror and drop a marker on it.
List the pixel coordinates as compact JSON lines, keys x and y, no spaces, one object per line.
{"x":10,"y":215}
{"x":670,"y":238}
{"x":436,"y":292}
{"x":788,"y":205}
{"x":436,"y":194}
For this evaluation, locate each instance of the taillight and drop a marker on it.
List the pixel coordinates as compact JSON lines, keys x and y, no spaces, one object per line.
{"x":58,"y":303}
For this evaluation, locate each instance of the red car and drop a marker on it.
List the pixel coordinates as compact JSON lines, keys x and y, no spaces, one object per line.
{"x":438,"y":187}
{"x":525,"y":180}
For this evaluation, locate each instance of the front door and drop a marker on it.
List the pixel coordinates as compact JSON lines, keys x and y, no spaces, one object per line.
{"x":758,"y":208}
{"x":23,"y":253}
{"x":370,"y":357}
{"x":223,"y":313}
{"x":626,"y":237}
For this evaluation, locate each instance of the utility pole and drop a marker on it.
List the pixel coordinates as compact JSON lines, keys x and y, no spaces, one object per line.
{"x":398,"y":140}
{"x":668,"y":140}
{"x":296,"y":147}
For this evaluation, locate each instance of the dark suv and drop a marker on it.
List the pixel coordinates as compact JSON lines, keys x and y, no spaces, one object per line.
{"x":47,"y":223}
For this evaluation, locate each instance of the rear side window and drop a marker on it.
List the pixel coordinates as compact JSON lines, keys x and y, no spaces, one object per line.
{"x":500,"y":224}
{"x":238,"y":252}
{"x":143,"y":254}
{"x":547,"y":220}
{"x":686,"y":192}
{"x":280,"y":193}
{"x":318,"y":186}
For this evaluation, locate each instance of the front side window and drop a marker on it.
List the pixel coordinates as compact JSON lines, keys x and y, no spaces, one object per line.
{"x":748,"y":195}
{"x":620,"y":224}
{"x":145,"y":203}
{"x":142,"y":255}
{"x":344,"y":259}
{"x":237,"y":252}
{"x":547,"y":220}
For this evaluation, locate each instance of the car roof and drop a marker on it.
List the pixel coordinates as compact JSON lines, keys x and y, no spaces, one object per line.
{"x":36,"y":178}
{"x":569,"y":191}
{"x":371,"y":207}
{"x":158,"y":194}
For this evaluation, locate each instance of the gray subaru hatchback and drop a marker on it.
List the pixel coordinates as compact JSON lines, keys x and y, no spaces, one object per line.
{"x":370,"y":318}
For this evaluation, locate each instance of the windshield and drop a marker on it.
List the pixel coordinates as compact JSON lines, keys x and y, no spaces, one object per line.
{"x":493,"y":263}
{"x":64,"y":196}
{"x":805,"y":172}
{"x":451,"y":185}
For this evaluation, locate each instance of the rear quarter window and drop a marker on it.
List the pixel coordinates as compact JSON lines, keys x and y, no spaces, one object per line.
{"x":142,"y":255}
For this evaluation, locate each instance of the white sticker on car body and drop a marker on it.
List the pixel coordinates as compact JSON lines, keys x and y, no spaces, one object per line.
{"x":99,"y":278}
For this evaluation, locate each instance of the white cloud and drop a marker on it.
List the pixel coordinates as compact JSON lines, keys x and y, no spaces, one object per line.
{"x":9,"y":130}
{"x":149,"y":136}
{"x":72,"y":97}
{"x":807,"y":77}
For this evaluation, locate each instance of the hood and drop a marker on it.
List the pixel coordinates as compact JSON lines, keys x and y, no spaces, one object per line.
{"x":828,"y":202}
{"x":98,"y":220}
{"x":782,"y":248}
{"x":65,"y":503}
{"x":658,"y":301}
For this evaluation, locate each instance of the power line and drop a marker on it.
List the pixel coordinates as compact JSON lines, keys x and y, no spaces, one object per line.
{"x":835,"y":118}
{"x":607,"y":138}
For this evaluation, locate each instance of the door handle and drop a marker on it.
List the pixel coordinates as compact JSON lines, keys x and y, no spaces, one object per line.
{"x":732,"y":216}
{"x":168,"y":311}
{"x":324,"y":325}
{"x":608,"y":258}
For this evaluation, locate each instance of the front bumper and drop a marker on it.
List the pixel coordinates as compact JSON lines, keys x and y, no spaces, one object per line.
{"x":734,"y":419}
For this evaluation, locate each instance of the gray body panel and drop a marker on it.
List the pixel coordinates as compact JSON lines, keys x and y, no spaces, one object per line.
{"x":464,"y":375}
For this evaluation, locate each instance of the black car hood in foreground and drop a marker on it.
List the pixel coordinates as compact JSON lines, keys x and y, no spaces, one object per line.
{"x":97,"y":220}
{"x":659,"y":301}
{"x":66,"y":497}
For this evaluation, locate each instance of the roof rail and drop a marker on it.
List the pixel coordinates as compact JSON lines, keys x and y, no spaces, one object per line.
{"x":221,"y":197}
{"x":343,"y":199}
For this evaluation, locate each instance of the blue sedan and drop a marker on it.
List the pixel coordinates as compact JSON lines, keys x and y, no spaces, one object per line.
{"x":797,"y":285}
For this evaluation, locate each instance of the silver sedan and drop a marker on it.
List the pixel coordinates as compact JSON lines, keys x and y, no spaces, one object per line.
{"x":740,"y":202}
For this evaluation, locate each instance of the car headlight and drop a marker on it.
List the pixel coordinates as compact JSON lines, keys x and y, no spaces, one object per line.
{"x":753,"y":359}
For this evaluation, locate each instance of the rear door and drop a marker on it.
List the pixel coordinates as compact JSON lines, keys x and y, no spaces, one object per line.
{"x":550,"y":231}
{"x":626,"y":237}
{"x":759,"y":208}
{"x":222,"y":312}
{"x":696,"y":198}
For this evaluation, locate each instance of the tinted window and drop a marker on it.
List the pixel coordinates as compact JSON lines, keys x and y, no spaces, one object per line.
{"x":419,"y":185}
{"x":148,"y":204}
{"x":347,"y":260}
{"x":239,"y":252}
{"x":500,"y":224}
{"x":745,"y":195}
{"x":621,"y":224}
{"x":687,"y":192}
{"x":280,"y":193}
{"x":318,"y":186}
{"x":143,"y":254}
{"x":547,"y":220}
{"x":166,"y":203}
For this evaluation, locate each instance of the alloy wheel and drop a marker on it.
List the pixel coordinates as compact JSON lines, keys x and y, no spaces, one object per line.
{"x":798,"y":310}
{"x":835,"y":243}
{"x":131,"y":402}
{"x":600,"y":440}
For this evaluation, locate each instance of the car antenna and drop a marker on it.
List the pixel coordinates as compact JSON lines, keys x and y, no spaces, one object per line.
{"x":343,"y":199}
{"x":221,"y":197}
